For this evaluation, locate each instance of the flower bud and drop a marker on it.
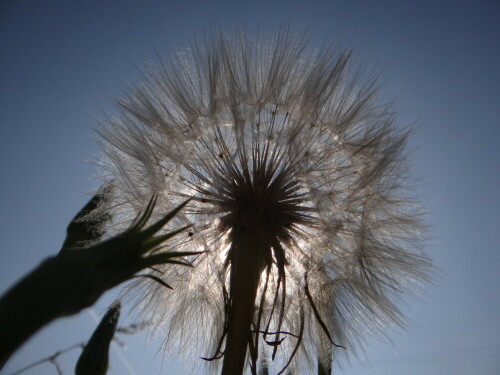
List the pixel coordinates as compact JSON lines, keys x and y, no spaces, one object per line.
{"x":95,"y":356}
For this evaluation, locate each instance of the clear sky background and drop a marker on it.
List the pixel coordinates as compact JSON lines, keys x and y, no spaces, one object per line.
{"x":62,"y":62}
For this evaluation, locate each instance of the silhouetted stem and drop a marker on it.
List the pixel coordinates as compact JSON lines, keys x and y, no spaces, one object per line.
{"x":325,"y":360}
{"x":247,"y":263}
{"x":324,"y":370}
{"x":58,"y":287}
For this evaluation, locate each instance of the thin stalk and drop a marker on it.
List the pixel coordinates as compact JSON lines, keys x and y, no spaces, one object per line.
{"x":324,"y":368}
{"x":325,"y":359}
{"x":247,"y":264}
{"x":49,"y":292}
{"x":264,"y":365}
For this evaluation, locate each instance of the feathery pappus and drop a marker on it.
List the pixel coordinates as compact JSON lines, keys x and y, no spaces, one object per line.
{"x":300,"y":198}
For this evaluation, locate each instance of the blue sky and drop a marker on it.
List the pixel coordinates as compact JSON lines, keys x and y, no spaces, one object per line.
{"x":63,"y":62}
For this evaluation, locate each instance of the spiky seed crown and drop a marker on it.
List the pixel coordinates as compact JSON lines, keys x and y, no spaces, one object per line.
{"x":293,"y":146}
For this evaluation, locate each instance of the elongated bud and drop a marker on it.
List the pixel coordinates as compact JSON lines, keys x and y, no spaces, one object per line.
{"x":95,"y":357}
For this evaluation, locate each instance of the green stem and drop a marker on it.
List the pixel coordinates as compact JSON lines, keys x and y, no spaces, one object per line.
{"x":247,"y":255}
{"x":54,"y":289}
{"x":325,"y":359}
{"x":324,"y":370}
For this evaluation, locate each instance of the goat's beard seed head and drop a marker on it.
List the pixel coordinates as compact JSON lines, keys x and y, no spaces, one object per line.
{"x":294,"y":148}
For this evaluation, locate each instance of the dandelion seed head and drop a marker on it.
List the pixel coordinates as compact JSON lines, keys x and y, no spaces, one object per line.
{"x":288,"y":147}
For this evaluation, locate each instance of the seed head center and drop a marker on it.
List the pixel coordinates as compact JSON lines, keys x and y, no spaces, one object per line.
{"x":262,"y":202}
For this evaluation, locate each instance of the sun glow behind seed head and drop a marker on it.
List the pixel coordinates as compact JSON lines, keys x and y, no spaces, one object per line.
{"x":286,"y":151}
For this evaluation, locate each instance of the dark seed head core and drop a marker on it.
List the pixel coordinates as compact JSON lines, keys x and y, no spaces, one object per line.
{"x":264,"y":202}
